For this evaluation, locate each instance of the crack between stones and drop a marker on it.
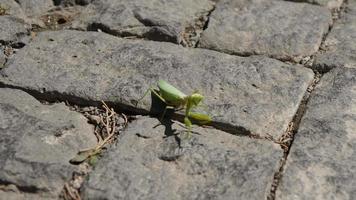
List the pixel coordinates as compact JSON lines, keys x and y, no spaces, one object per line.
{"x":336,"y":15}
{"x":12,"y":187}
{"x":153,"y":34}
{"x":59,"y":97}
{"x":55,"y":96}
{"x":286,"y":140}
{"x":200,"y":25}
{"x":304,"y":60}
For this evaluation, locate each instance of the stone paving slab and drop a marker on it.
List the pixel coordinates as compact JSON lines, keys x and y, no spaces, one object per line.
{"x":322,"y":161}
{"x":40,"y":14}
{"x":256,"y":94}
{"x":12,"y":8}
{"x":36,"y":143}
{"x":12,"y":29}
{"x":177,"y":21}
{"x":280,"y":29}
{"x":340,"y":44}
{"x":35,"y":7}
{"x":148,"y":164}
{"x":2,"y":57}
{"x":330,"y":4}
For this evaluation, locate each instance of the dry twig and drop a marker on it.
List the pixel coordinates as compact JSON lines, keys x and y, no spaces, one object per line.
{"x":106,"y":132}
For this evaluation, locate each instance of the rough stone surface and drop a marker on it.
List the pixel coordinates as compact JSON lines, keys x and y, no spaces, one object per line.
{"x":36,"y":143}
{"x":178,"y":21}
{"x":11,"y":29}
{"x":41,"y":14}
{"x":2,"y":57}
{"x":12,"y":8}
{"x":322,"y":161}
{"x":281,"y":29}
{"x":35,"y":7}
{"x":331,"y":4}
{"x":340,"y":44}
{"x":255,"y":94}
{"x":147,"y":164}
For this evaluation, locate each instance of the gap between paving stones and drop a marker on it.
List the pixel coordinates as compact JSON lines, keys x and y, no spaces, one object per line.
{"x":80,"y":176}
{"x":336,"y":16}
{"x":294,"y":125}
{"x":76,"y":175}
{"x":205,"y":26}
{"x":75,"y":183}
{"x":286,"y":140}
{"x":50,"y":94}
{"x":109,"y":125}
{"x":53,"y":97}
{"x":188,"y":35}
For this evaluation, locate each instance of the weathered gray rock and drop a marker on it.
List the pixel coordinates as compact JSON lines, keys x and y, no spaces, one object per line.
{"x":12,"y":28}
{"x":36,"y":143}
{"x":2,"y":57}
{"x":35,"y":7}
{"x":322,"y":160}
{"x":340,"y":44}
{"x":73,"y":2}
{"x":12,"y":8}
{"x":146,"y":164}
{"x":41,"y":14}
{"x":243,"y":95}
{"x":280,"y":29}
{"x":178,"y":21}
{"x":330,"y":4}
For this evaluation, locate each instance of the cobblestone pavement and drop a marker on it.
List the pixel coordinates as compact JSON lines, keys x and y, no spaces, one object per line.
{"x":278,"y":76}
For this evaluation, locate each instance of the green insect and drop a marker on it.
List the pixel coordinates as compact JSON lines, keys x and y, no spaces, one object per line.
{"x":4,"y":9}
{"x":175,"y":99}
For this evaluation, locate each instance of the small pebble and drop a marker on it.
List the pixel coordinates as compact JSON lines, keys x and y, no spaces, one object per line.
{"x":94,"y":119}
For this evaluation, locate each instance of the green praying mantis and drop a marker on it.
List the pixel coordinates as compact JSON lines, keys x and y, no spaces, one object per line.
{"x":175,"y":99}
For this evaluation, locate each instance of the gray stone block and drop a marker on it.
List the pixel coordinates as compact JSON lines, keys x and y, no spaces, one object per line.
{"x":243,"y":95}
{"x":322,"y":161}
{"x":36,"y":143}
{"x":12,"y":28}
{"x":280,"y":29}
{"x":330,"y":4}
{"x":12,"y":8}
{"x":2,"y":57}
{"x":36,"y":7}
{"x":147,"y":164}
{"x":339,"y":49}
{"x":178,"y":21}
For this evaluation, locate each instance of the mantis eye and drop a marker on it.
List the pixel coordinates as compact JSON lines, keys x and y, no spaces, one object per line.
{"x":196,"y":98}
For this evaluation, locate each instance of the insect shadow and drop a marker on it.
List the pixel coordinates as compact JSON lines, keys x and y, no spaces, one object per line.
{"x":157,"y":109}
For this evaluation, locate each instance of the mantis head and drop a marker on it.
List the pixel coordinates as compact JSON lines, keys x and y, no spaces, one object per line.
{"x":195,"y":99}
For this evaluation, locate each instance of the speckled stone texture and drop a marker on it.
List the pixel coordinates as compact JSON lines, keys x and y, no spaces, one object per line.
{"x":243,"y":95}
{"x":322,"y":161}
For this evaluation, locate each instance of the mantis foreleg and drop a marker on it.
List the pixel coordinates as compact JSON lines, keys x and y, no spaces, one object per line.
{"x":150,"y":89}
{"x":188,"y":125}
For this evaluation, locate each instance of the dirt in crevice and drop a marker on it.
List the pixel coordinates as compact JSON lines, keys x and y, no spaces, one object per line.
{"x":286,"y":140}
{"x":12,"y":187}
{"x":323,"y":47}
{"x":192,"y":33}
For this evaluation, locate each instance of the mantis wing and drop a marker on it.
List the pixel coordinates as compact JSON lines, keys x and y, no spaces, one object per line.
{"x":171,"y":94}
